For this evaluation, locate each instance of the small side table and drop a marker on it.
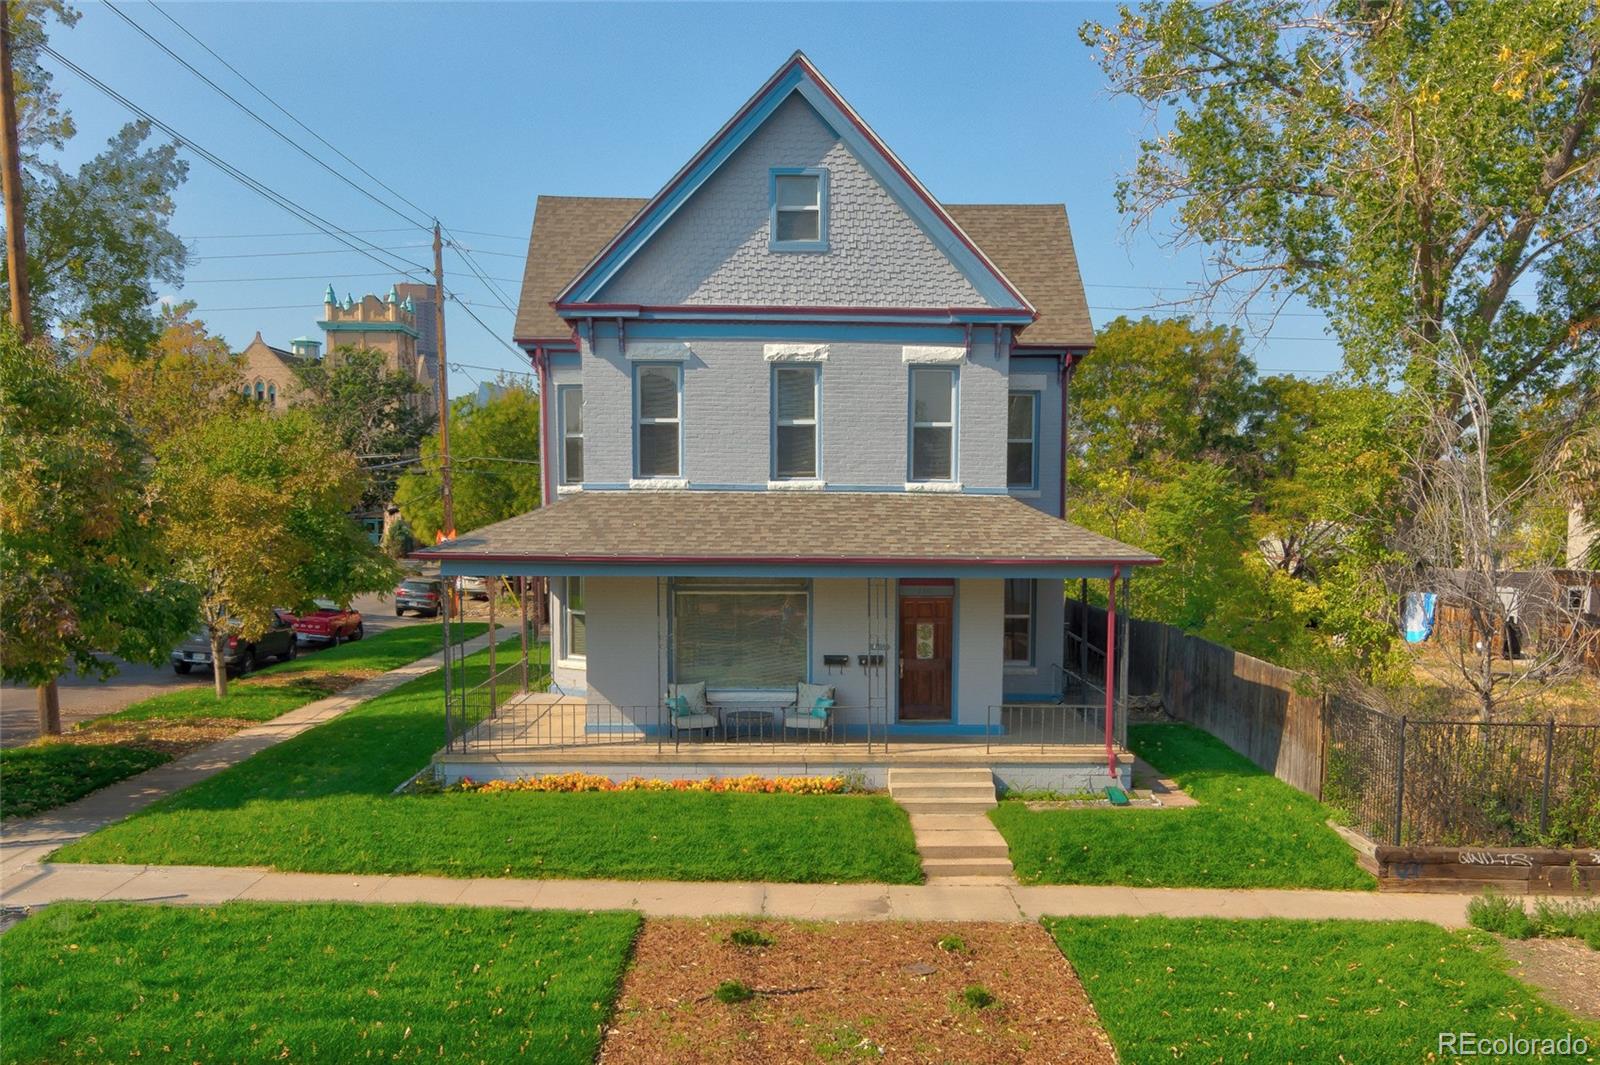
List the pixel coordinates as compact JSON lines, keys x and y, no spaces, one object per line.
{"x":748,"y":724}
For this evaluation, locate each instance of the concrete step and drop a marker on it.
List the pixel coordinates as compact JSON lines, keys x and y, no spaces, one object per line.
{"x":942,"y":791}
{"x":967,"y":807}
{"x":962,"y":845}
{"x":953,"y":775}
{"x":971,"y":821}
{"x":942,"y":867}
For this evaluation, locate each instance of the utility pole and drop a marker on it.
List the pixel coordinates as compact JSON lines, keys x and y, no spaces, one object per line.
{"x":17,"y":273}
{"x":440,"y":385}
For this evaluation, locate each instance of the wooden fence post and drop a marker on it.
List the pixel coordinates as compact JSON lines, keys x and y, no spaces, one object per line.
{"x":1400,"y":783}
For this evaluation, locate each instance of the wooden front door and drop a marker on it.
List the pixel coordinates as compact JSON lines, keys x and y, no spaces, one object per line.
{"x":925,"y":658}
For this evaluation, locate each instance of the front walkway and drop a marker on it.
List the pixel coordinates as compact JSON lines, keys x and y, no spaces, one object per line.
{"x":990,"y":900}
{"x":25,"y":843}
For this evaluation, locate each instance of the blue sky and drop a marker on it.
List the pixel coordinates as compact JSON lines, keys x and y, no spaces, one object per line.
{"x":472,"y":110}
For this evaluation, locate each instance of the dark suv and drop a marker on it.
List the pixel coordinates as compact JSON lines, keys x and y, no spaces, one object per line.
{"x":239,"y":656}
{"x":421,"y":594}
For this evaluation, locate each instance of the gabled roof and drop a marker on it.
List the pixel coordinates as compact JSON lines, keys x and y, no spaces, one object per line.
{"x":799,"y":76}
{"x":288,"y":358}
{"x":1031,"y":242}
{"x":788,"y":529}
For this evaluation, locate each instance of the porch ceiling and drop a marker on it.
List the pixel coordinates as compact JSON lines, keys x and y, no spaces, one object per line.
{"x":815,"y":533}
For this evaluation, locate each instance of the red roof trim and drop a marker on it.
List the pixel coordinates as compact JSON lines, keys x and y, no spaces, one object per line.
{"x":776,"y":560}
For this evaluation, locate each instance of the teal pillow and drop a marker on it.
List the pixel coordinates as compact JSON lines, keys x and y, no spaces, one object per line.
{"x":821,"y":708}
{"x":679,"y":705}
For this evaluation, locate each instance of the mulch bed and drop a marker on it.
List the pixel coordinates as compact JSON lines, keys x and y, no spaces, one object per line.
{"x":1566,"y":970}
{"x":875,"y":991}
{"x":174,"y":737}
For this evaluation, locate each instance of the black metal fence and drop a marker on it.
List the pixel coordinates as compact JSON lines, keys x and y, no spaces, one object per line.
{"x":1461,"y":783}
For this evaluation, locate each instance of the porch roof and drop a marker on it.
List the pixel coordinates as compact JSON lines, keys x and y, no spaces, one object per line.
{"x":804,"y":533}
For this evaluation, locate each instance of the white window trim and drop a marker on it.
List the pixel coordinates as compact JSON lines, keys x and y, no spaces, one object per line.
{"x":1033,"y":626}
{"x":1035,"y":437}
{"x":820,"y":209}
{"x":795,"y":352}
{"x":933,"y":354}
{"x":639,"y":421}
{"x":814,"y":422}
{"x":658,"y":351}
{"x":567,"y":657}
{"x":949,"y":481}
{"x":564,"y":395}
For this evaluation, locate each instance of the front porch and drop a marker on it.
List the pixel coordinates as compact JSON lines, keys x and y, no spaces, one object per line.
{"x":1031,"y":746}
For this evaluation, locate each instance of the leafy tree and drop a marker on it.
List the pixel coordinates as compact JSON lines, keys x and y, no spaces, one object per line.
{"x":79,"y":546}
{"x":398,"y":540}
{"x":494,"y":451}
{"x":99,"y":237}
{"x":187,"y":374}
{"x":373,"y":412}
{"x":1402,"y":165}
{"x":258,"y":516}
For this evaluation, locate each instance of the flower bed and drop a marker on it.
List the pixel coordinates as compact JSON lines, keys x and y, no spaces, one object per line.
{"x":748,"y":785}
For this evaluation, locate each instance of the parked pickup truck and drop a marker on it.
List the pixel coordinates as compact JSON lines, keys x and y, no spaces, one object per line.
{"x":329,"y":623}
{"x":239,"y":656}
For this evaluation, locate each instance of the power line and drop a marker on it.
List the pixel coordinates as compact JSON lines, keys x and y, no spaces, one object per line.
{"x":313,"y":233}
{"x":290,"y":141}
{"x":286,"y":113}
{"x":308,"y":251}
{"x":305,"y":214}
{"x":294,"y":277}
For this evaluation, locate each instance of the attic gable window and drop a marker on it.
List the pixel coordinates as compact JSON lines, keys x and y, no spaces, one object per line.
{"x":799,"y":200}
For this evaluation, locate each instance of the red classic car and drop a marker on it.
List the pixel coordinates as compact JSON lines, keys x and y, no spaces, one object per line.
{"x":329,"y":623}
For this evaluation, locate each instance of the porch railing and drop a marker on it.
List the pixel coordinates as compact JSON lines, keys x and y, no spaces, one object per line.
{"x":1046,"y":725}
{"x":529,"y":724}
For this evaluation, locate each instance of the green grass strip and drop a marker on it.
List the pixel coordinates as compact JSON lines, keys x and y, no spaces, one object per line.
{"x":1250,"y":830}
{"x":263,"y":695}
{"x":321,"y":802}
{"x":1285,"y":992}
{"x":337,"y":983}
{"x":46,"y":775}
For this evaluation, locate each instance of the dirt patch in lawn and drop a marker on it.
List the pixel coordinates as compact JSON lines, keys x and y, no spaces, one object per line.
{"x":880,"y":991}
{"x":174,"y":737}
{"x":329,"y":683}
{"x":1566,"y":970}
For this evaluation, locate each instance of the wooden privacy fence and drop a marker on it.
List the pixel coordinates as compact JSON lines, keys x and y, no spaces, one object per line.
{"x":1454,"y":783}
{"x":1263,"y":711}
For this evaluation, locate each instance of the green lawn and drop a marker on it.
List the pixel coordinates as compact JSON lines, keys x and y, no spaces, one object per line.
{"x":334,"y":983}
{"x":1287,"y":992}
{"x":265,"y":694}
{"x":44,"y":775}
{"x":322,"y":802}
{"x":1250,"y":829}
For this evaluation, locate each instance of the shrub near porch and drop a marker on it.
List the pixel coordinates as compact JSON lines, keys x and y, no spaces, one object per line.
{"x":322,"y":802}
{"x":1249,"y":830}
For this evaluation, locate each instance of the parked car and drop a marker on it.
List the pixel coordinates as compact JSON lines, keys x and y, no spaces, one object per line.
{"x":477,"y":587}
{"x":421,"y":594}
{"x":329,"y":623}
{"x":240,"y":656}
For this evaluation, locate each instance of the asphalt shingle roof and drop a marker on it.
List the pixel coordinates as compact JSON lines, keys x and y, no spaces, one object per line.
{"x":1030,"y":243}
{"x":787,"y":528}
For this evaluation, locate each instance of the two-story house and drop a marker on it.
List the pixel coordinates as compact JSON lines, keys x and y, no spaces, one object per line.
{"x":803,"y":423}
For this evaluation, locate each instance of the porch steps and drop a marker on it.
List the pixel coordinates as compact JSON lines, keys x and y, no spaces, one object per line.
{"x":947,"y":806}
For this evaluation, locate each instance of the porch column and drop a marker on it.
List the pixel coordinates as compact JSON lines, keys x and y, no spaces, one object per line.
{"x":522,"y":605}
{"x":1111,"y":664}
{"x":494,"y":593}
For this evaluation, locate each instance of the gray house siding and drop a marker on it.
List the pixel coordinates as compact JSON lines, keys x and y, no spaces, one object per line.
{"x":715,"y":249}
{"x":727,"y":412}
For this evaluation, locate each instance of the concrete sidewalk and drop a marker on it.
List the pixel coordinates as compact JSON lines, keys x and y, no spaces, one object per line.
{"x":25,"y":843}
{"x":980,"y":899}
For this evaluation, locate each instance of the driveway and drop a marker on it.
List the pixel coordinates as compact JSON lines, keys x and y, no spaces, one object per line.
{"x":85,"y":698}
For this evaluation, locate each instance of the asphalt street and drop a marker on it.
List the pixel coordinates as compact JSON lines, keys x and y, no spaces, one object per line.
{"x":84,"y":698}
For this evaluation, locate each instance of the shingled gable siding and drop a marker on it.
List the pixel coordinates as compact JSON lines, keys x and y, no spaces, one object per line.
{"x":727,"y":414}
{"x":714,"y":249}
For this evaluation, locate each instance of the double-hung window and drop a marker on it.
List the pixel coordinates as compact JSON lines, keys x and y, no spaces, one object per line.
{"x":1022,"y":440}
{"x":794,"y":415}
{"x":658,"y":420}
{"x":570,"y":399}
{"x":799,"y":219}
{"x":574,"y":621}
{"x":1019,"y":612}
{"x":933,"y":424}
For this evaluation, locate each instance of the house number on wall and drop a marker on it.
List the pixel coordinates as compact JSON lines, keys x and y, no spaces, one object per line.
{"x":924,"y":639}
